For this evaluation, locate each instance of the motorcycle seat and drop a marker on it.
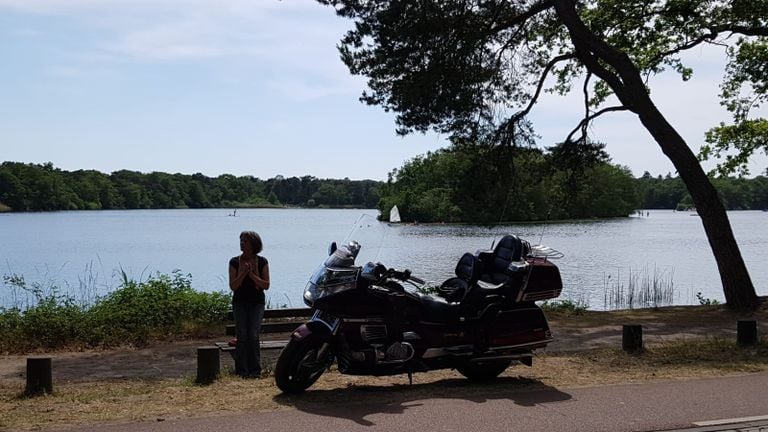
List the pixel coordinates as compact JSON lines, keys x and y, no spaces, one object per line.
{"x":482,"y":294}
{"x":438,"y":310}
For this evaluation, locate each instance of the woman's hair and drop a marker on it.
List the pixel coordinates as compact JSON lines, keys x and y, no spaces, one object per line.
{"x":254,"y":239}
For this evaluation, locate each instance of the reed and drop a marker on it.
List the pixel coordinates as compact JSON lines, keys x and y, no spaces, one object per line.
{"x":641,"y":289}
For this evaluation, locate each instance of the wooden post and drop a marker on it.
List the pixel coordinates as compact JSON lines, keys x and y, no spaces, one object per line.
{"x":208,"y":364}
{"x":746,"y":332}
{"x":632,"y":338}
{"x":39,"y":376}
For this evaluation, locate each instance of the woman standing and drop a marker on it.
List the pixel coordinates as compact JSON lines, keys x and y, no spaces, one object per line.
{"x":248,"y":279}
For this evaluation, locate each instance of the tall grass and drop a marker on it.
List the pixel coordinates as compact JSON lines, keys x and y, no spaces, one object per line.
{"x":644,"y":288}
{"x":134,"y":313}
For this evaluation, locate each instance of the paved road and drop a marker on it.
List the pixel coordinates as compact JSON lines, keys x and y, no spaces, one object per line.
{"x":641,"y":407}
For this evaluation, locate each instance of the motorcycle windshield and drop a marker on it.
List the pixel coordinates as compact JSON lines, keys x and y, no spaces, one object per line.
{"x":362,"y":245}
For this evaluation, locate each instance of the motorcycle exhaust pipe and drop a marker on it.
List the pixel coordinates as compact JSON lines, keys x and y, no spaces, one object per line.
{"x":525,"y":359}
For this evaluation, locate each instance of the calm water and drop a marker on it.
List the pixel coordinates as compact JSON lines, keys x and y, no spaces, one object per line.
{"x":83,"y":252}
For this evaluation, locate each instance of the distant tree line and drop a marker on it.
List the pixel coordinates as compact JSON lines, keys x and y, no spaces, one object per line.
{"x":479,"y":184}
{"x":669,"y":192}
{"x":464,"y":183}
{"x":42,"y":187}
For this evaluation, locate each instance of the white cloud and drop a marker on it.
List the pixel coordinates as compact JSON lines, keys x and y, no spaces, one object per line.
{"x":266,"y":38}
{"x":193,"y":39}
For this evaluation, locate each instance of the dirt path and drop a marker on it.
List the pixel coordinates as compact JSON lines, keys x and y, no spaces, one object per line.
{"x":572,"y":333}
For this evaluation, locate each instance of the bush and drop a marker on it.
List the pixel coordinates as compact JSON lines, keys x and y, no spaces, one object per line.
{"x":134,"y":313}
{"x":568,"y":307}
{"x":161,"y":305}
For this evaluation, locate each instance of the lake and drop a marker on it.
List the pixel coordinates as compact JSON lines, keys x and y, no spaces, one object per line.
{"x":83,"y":252}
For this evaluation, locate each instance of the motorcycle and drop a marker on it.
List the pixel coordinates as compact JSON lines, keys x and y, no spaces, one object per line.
{"x":478,"y":322}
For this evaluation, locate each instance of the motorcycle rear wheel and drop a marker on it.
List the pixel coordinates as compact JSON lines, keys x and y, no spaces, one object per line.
{"x":484,"y":371}
{"x":298,"y":366}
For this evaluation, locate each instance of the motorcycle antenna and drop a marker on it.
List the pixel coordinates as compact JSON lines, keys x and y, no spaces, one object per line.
{"x":541,"y":235}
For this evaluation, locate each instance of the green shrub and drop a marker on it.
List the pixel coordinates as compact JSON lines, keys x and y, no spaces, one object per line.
{"x":568,"y":307}
{"x":134,"y":313}
{"x":160,"y":305}
{"x":705,"y":301}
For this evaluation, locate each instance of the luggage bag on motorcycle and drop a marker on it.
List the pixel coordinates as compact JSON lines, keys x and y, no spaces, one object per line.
{"x":544,"y":281}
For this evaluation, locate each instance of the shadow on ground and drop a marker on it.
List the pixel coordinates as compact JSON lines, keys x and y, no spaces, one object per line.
{"x":358,"y":402}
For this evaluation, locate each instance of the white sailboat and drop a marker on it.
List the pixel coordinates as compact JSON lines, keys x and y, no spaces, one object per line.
{"x":394,"y":215}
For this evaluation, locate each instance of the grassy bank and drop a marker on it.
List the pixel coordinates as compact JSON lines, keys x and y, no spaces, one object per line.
{"x":135,"y":313}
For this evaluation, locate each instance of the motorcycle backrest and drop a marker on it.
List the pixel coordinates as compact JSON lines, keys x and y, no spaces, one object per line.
{"x":496,"y":264}
{"x":508,"y":249}
{"x":468,"y":268}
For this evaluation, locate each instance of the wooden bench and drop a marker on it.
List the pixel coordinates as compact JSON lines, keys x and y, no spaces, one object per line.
{"x":275,"y":321}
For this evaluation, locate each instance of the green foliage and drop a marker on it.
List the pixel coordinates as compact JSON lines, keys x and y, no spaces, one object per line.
{"x":744,"y":89}
{"x":157,"y":306}
{"x":133,"y":314}
{"x":567,"y":307}
{"x":32,"y":187}
{"x":704,"y":301}
{"x":745,"y":138}
{"x":461,"y":184}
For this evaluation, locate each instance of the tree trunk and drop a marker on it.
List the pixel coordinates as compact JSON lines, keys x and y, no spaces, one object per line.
{"x":623,"y":77}
{"x":737,"y":285}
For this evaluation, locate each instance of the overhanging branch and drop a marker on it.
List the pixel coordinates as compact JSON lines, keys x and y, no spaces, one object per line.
{"x":585,"y":121}
{"x":540,"y":85}
{"x":523,"y":17}
{"x":686,"y":46}
{"x":740,"y":29}
{"x":713,"y":33}
{"x":509,"y":123}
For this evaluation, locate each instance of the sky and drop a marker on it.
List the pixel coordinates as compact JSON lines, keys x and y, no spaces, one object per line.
{"x":249,"y":87}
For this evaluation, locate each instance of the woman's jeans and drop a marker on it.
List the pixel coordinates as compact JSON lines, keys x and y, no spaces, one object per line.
{"x":247,"y":328}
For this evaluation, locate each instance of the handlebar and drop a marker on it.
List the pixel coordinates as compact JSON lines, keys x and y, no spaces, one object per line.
{"x":417,"y":280}
{"x":379,"y":272}
{"x":405,"y":276}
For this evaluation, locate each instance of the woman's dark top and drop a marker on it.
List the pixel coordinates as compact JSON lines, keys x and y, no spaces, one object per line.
{"x":248,"y":293}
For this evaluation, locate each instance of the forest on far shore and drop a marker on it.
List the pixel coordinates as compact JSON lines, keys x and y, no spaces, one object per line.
{"x":43,"y":187}
{"x":453,"y":185}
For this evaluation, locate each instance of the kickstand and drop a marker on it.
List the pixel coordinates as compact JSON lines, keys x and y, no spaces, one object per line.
{"x":410,"y":378}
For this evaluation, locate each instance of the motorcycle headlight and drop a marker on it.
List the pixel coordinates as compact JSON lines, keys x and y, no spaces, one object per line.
{"x":314,"y":292}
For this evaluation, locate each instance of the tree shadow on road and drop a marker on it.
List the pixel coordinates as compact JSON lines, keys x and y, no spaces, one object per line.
{"x":356,"y":402}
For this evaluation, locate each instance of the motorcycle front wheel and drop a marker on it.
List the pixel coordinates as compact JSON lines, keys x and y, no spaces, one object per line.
{"x":483,"y":371}
{"x":299,"y":364}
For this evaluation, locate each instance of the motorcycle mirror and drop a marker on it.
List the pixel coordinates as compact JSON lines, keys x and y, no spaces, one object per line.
{"x":331,"y":248}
